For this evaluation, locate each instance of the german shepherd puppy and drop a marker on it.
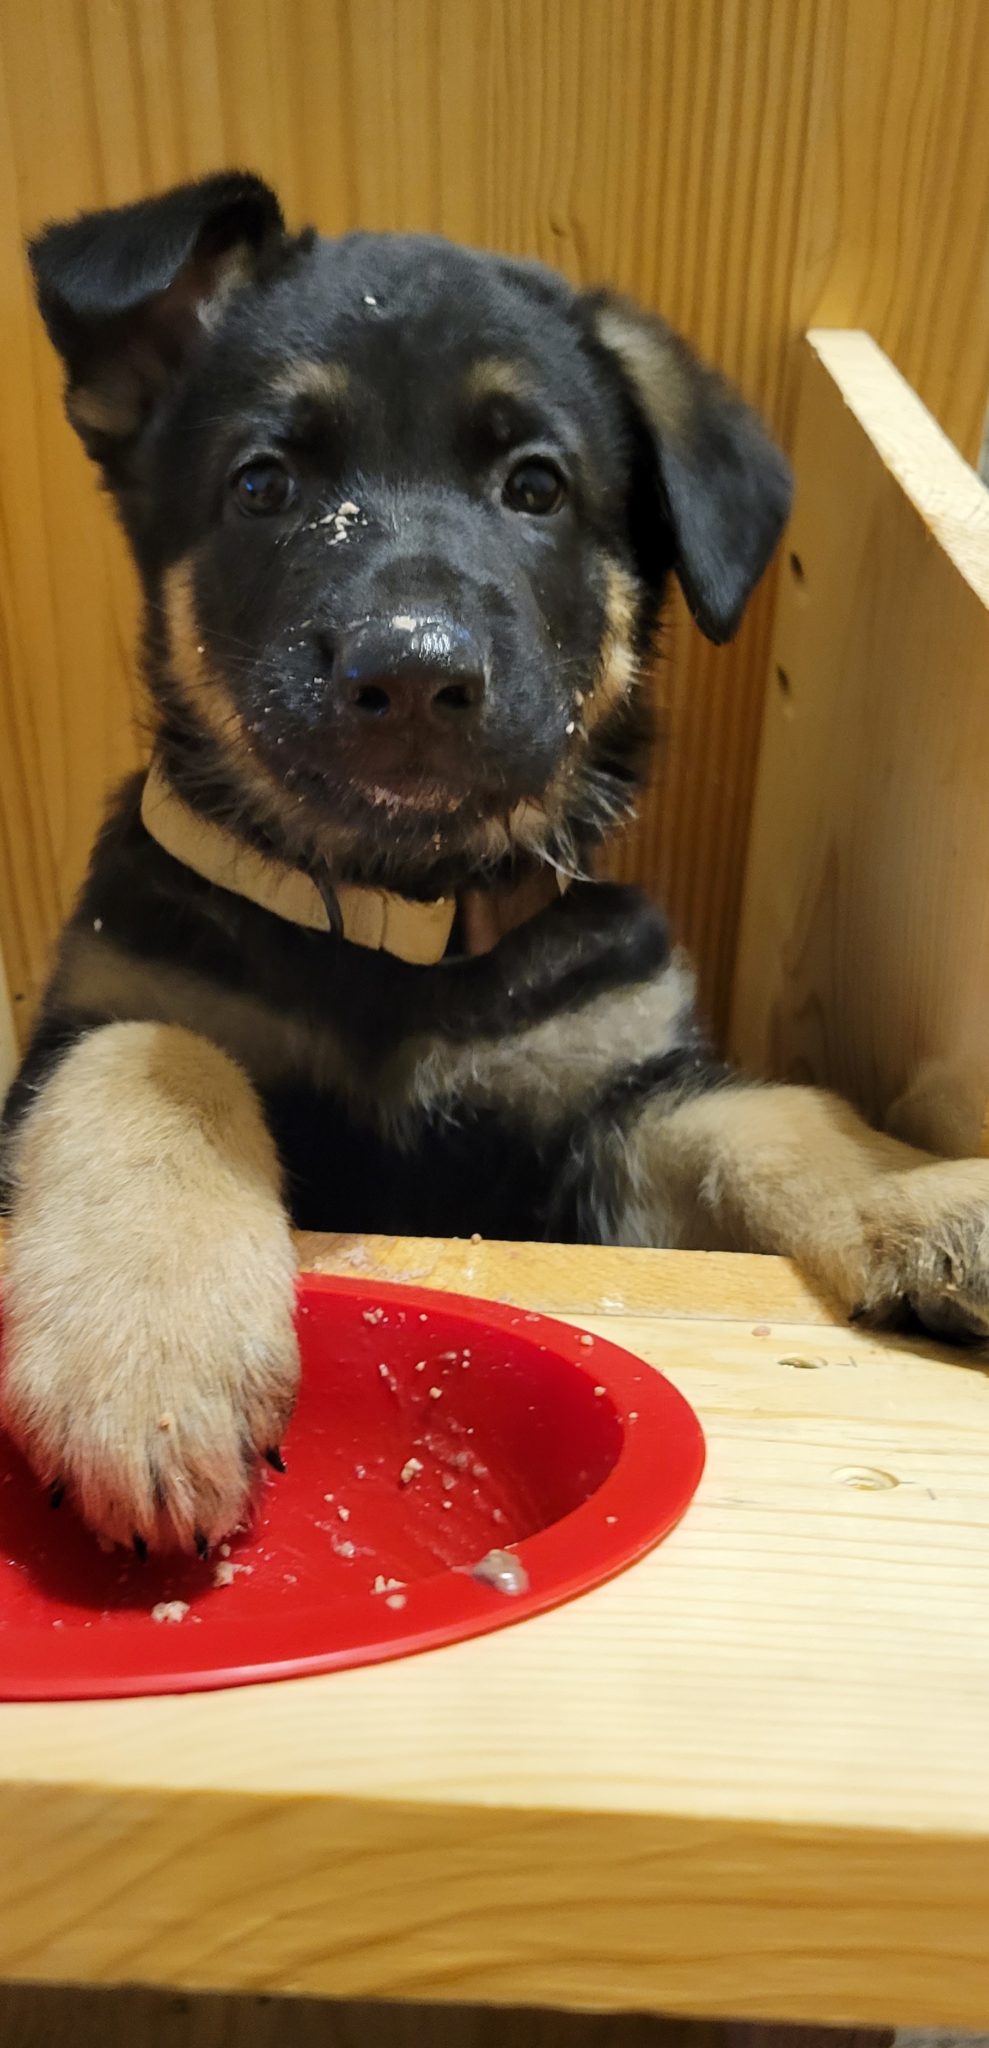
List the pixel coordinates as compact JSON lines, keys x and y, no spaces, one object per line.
{"x":404,"y":515}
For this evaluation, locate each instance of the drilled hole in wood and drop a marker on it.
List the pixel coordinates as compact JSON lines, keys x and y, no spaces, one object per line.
{"x":783,"y":680}
{"x":796,"y":568}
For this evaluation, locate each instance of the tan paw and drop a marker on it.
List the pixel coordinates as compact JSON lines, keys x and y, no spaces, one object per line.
{"x":926,"y":1249}
{"x":150,"y":1406}
{"x":150,"y":1356}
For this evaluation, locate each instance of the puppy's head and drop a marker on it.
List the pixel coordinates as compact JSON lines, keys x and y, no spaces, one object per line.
{"x":404,"y":515}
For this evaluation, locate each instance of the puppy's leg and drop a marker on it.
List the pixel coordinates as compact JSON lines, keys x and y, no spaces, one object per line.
{"x":150,"y":1354}
{"x":882,"y":1227}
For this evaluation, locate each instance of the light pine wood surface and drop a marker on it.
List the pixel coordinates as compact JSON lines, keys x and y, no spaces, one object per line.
{"x":864,"y":957}
{"x":747,"y":166}
{"x":747,"y":1779}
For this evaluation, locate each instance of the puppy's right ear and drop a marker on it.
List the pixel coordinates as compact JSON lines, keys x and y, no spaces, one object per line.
{"x":128,"y":295}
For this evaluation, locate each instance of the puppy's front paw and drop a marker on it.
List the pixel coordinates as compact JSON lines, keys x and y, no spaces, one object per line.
{"x":926,"y":1249}
{"x":149,"y":1400}
{"x":150,"y":1355}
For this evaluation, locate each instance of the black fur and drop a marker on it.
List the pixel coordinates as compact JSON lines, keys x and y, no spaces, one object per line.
{"x":213,"y":362}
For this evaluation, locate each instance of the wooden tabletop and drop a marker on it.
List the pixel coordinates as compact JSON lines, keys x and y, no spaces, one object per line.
{"x":749,"y":1777}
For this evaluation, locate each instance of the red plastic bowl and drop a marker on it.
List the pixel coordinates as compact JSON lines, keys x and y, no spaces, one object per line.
{"x":524,"y":1434}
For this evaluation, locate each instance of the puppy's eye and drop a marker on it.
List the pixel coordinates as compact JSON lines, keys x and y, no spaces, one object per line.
{"x":535,"y":486}
{"x":263,"y":487}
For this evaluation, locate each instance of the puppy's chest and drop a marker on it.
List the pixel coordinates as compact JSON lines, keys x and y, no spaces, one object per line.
{"x":442,"y":1176}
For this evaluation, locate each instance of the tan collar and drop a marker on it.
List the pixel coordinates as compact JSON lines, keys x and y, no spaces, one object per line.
{"x":418,"y":933}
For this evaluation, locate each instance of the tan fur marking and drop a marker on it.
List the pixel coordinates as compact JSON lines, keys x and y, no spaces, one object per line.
{"x":112,"y":409}
{"x":795,"y":1170}
{"x":98,"y":977}
{"x":617,"y":667}
{"x":203,"y":689}
{"x":542,"y":1075}
{"x":326,"y":382}
{"x":496,"y":377}
{"x":150,"y":1271}
{"x":655,"y":361}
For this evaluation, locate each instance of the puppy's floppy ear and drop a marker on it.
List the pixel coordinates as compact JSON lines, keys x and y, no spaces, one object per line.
{"x":723,"y":487}
{"x":126,"y":295}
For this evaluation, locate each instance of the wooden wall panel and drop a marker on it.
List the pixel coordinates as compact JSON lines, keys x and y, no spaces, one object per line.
{"x":745,"y":165}
{"x":864,"y":956}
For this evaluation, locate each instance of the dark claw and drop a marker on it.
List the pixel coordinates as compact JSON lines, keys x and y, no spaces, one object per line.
{"x":275,"y":1459}
{"x":140,"y":1549}
{"x":202,"y":1547}
{"x":56,"y":1496}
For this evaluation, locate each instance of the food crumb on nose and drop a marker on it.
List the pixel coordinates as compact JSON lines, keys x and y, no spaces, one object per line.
{"x":97,"y":924}
{"x":369,"y":299}
{"x":571,"y":727}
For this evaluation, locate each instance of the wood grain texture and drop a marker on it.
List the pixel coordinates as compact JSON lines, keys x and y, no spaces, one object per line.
{"x":865,"y":943}
{"x":748,"y":1778}
{"x":741,"y":164}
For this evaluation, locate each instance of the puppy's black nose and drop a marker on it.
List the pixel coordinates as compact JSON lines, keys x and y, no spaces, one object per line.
{"x":409,"y":669}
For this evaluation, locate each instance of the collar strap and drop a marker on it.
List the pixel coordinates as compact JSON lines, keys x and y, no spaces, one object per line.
{"x":418,"y":933}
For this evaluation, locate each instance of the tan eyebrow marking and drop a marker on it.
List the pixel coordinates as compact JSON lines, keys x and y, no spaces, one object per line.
{"x":497,"y":377}
{"x":307,"y":379}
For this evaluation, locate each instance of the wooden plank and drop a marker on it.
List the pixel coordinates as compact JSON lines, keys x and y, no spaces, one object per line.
{"x":864,"y":956}
{"x":749,"y":1778}
{"x":744,"y":165}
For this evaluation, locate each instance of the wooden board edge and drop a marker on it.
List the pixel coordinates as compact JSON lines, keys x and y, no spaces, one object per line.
{"x":947,"y":492}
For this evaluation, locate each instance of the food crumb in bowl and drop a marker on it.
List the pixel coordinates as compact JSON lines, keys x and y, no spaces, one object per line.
{"x":503,"y":1571}
{"x":344,"y":1514}
{"x":435,"y":1393}
{"x":373,"y":1315}
{"x":586,"y":1339}
{"x":395,"y":1600}
{"x":224,"y":1550}
{"x":410,"y":1470}
{"x":225,"y":1574}
{"x":611,"y":1520}
{"x":383,"y":1585}
{"x":170,"y":1610}
{"x":599,"y":1391}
